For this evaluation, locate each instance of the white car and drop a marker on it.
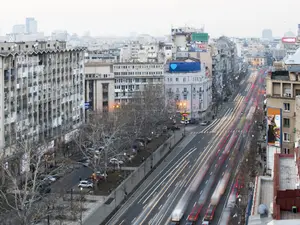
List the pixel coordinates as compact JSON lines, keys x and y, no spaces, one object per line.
{"x":50,"y":178}
{"x":85,"y":184}
{"x":116,"y":161}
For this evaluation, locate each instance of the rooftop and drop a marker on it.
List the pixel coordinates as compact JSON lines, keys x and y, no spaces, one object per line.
{"x":294,"y":59}
{"x":288,"y":173}
{"x":92,"y":64}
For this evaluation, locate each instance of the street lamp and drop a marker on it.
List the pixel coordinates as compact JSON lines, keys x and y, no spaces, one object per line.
{"x":81,"y":205}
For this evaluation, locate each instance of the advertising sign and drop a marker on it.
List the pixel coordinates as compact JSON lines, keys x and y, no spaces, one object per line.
{"x":200,"y":37}
{"x":289,"y":40}
{"x":198,"y":47}
{"x":274,"y":127}
{"x":181,"y":67}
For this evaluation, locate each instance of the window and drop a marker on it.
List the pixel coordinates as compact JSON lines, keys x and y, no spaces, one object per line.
{"x":286,"y":151}
{"x":286,"y":122}
{"x":137,"y":87}
{"x":185,"y":89}
{"x":177,"y":79}
{"x":286,"y":106}
{"x":185,"y":97}
{"x":286,"y":137}
{"x":184,"y":79}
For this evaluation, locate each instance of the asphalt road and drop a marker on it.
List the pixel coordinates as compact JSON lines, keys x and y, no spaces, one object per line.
{"x":172,"y":179}
{"x":236,"y":213}
{"x":154,"y":203}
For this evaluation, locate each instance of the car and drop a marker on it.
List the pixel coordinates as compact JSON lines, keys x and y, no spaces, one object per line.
{"x":175,"y":127}
{"x":50,"y":178}
{"x":85,"y":184}
{"x":116,"y":161}
{"x":204,"y":123}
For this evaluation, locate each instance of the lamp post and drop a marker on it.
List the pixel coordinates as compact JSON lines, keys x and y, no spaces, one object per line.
{"x":81,"y":205}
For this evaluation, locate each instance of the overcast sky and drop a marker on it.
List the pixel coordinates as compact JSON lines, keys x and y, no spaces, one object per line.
{"x":121,"y":17}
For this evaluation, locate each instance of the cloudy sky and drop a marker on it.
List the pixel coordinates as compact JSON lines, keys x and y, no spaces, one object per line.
{"x":121,"y":17}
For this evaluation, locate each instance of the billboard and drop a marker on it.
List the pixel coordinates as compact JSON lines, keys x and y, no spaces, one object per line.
{"x":289,"y":40}
{"x":198,"y":47}
{"x":274,"y":135}
{"x":181,"y":67}
{"x":199,"y":37}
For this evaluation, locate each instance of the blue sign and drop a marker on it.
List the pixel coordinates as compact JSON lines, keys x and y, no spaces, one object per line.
{"x":86,"y":105}
{"x":181,"y":67}
{"x":173,"y":66}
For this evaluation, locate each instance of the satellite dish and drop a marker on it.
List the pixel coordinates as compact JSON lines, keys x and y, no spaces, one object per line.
{"x":262,"y":209}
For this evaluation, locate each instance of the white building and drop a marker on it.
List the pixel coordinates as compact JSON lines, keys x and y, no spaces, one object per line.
{"x":190,"y":91}
{"x":18,"y":29}
{"x":132,"y":77}
{"x":41,"y":92}
{"x":31,"y":25}
{"x":99,"y":86}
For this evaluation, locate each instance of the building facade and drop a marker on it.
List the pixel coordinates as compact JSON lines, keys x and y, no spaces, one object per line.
{"x":31,"y":25}
{"x":99,"y":87}
{"x":283,"y":91}
{"x":225,"y":68}
{"x":42,"y":92}
{"x":132,"y":77}
{"x":188,"y":87}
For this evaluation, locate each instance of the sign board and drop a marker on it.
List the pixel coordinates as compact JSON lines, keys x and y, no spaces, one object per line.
{"x":289,"y":40}
{"x":274,"y":131}
{"x":198,"y":47}
{"x":199,"y":37}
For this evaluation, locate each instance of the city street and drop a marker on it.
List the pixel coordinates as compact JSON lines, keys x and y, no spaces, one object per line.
{"x":155,"y":202}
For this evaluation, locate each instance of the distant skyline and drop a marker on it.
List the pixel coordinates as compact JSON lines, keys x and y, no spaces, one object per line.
{"x":120,"y":18}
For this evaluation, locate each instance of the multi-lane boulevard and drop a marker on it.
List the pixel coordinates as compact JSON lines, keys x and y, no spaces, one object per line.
{"x":153,"y":203}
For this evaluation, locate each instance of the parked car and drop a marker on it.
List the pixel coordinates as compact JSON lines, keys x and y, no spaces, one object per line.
{"x":116,"y":161}
{"x":204,"y":123}
{"x":50,"y":178}
{"x":175,"y":127}
{"x":85,"y":184}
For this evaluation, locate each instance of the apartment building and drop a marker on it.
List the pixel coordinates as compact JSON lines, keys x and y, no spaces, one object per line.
{"x":99,"y":86}
{"x":41,"y":92}
{"x":132,"y":77}
{"x":188,"y":86}
{"x":283,"y":89}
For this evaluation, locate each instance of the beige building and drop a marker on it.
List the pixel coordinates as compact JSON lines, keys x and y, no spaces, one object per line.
{"x":99,"y":86}
{"x":282,"y":90}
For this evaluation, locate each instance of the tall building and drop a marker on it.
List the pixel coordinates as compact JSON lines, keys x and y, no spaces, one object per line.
{"x":41,"y":92}
{"x":99,"y":86}
{"x":283,"y":91}
{"x":31,"y":25}
{"x":188,"y":87}
{"x":133,"y":77}
{"x":267,"y":34}
{"x":18,"y":29}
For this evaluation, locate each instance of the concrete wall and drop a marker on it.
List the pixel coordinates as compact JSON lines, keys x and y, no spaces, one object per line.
{"x":99,"y":214}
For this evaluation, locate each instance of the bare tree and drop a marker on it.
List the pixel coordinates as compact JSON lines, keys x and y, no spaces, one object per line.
{"x":27,"y":195}
{"x":104,"y":136}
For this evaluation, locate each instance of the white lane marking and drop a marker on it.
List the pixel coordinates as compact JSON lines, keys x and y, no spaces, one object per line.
{"x":206,"y":181}
{"x":133,"y":220}
{"x":148,"y":194}
{"x":201,"y":192}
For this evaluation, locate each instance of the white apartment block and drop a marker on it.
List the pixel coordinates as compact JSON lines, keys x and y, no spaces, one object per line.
{"x":132,"y":77}
{"x":99,"y":86}
{"x":41,"y":92}
{"x":190,"y":91}
{"x":149,"y":53}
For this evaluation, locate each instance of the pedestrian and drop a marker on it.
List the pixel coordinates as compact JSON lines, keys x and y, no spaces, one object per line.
{"x":79,"y":179}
